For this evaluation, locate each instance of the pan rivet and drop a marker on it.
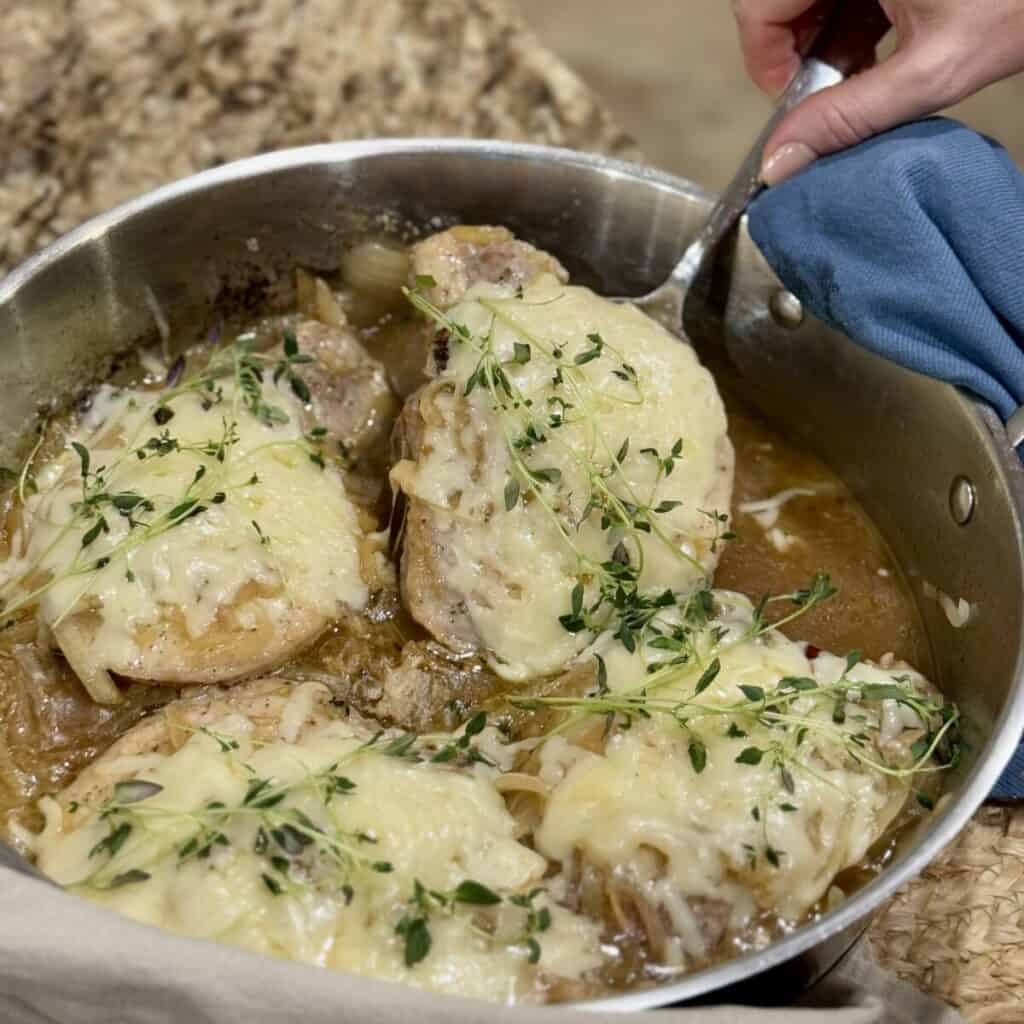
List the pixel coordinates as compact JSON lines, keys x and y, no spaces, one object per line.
{"x":962,"y":499}
{"x":787,"y":310}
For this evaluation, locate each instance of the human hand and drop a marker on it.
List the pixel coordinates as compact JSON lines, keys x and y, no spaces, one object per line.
{"x":948,"y":50}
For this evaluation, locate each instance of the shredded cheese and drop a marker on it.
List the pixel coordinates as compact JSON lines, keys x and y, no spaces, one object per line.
{"x":515,"y":566}
{"x":715,"y":828}
{"x":428,"y":823}
{"x":270,"y":558}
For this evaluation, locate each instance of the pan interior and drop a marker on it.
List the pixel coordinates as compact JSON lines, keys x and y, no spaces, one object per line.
{"x":225,"y":246}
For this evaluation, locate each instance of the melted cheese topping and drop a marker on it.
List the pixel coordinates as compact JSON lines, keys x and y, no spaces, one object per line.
{"x":716,"y":849}
{"x":430,"y":823}
{"x":516,"y":568}
{"x":717,"y":831}
{"x":273,"y":554}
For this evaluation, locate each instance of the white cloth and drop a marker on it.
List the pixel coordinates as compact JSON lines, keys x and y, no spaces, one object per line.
{"x":65,"y":961}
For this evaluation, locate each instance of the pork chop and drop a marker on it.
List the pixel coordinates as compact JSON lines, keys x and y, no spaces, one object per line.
{"x":557,"y":428}
{"x":456,"y":259}
{"x":349,"y":392}
{"x":199,"y":534}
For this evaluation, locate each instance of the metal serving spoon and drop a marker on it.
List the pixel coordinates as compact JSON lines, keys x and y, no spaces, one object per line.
{"x":845,"y":42}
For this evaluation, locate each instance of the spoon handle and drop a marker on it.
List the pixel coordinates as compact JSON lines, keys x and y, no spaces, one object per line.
{"x":845,"y":42}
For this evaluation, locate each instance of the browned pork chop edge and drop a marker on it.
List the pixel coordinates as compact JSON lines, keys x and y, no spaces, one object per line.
{"x":454,"y":261}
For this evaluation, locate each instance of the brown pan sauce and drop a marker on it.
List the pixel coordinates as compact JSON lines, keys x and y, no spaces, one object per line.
{"x":50,"y":729}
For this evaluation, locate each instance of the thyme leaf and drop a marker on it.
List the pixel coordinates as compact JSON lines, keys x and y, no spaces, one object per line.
{"x":475,"y":893}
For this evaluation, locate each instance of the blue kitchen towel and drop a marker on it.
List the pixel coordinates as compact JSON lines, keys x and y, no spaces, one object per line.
{"x":913,"y":244}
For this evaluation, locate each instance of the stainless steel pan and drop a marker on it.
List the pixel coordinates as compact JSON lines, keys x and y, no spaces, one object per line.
{"x":934,"y":468}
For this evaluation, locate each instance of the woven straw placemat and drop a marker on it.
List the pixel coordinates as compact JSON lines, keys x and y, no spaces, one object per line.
{"x":101,"y":100}
{"x":958,"y":930}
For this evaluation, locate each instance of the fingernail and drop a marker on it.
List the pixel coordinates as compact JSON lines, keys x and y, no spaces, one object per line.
{"x":785,"y":162}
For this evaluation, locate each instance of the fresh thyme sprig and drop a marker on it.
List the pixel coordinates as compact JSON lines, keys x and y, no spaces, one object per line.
{"x":773,"y":709}
{"x":297,"y":853}
{"x":424,"y":903}
{"x":89,"y":511}
{"x":458,"y":748}
{"x":240,"y":363}
{"x":414,"y":925}
{"x":538,"y":921}
{"x":461,"y":747}
{"x":794,"y":716}
{"x":618,"y":604}
{"x":245,"y":369}
{"x":289,"y":842}
{"x":694,"y":642}
{"x":22,"y":478}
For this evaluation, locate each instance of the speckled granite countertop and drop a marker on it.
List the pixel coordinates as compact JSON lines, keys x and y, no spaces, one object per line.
{"x":101,"y":100}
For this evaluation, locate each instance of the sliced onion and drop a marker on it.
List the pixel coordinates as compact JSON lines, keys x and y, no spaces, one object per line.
{"x":910,"y":718}
{"x":316,"y":300}
{"x":376,"y":267}
{"x":891,"y":724}
{"x":512,"y":782}
{"x":97,"y":681}
{"x":958,"y":612}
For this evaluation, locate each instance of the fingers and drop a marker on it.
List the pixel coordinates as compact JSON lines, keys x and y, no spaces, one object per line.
{"x":770,"y":37}
{"x":898,"y":90}
{"x":947,"y":51}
